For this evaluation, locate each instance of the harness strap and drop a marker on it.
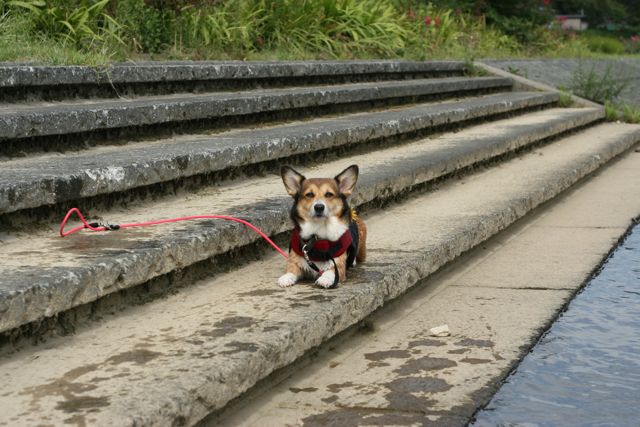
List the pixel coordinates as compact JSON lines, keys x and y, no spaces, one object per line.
{"x":325,"y":250}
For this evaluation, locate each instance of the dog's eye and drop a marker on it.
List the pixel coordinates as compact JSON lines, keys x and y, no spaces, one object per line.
{"x":309,"y":195}
{"x":328,"y":194}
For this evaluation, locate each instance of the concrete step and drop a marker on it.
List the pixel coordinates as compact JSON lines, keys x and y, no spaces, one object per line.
{"x":176,"y":360}
{"x":43,"y":275}
{"x":29,"y":82}
{"x":55,"y":178}
{"x":46,"y":119}
{"x":497,"y":299}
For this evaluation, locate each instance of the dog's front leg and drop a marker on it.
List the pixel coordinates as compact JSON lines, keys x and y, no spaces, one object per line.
{"x":329,"y":276}
{"x":294,"y":272}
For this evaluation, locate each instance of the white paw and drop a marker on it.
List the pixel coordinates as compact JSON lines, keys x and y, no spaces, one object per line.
{"x":326,"y":280}
{"x":286,"y":280}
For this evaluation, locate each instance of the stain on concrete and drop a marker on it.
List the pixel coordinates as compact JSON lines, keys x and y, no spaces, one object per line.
{"x":330,"y":399}
{"x":139,"y":357}
{"x":408,"y":402}
{"x":259,"y":293}
{"x":101,"y":379}
{"x":387,"y":354}
{"x":303,"y":390}
{"x":425,"y":363}
{"x":298,"y":305}
{"x":426,"y":343}
{"x":459,"y":351}
{"x":318,"y":298}
{"x":335,"y":388}
{"x":237,"y":347}
{"x":68,"y":388}
{"x":377,"y":365}
{"x":82,"y":403}
{"x":475,"y":361}
{"x":365,"y":417}
{"x":228,"y":326}
{"x":418,"y":385}
{"x":468,"y":342}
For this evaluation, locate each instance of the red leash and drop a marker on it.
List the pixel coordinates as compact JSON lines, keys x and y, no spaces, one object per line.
{"x":94,"y":226}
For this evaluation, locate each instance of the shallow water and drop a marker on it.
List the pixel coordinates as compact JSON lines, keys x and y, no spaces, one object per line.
{"x":586,"y":370}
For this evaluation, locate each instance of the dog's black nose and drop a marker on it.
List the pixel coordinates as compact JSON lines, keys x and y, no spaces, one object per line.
{"x":318,"y":208}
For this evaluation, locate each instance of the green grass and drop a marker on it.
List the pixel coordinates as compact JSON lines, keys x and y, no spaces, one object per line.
{"x":621,"y":112}
{"x":565,"y":100}
{"x":96,"y":32}
{"x":599,"y":86}
{"x":603,"y":43}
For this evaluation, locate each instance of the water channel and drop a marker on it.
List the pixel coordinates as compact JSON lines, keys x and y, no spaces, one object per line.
{"x":585,"y":371}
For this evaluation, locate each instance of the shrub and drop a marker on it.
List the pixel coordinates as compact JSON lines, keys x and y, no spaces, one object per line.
{"x":146,"y":28}
{"x":339,"y":28}
{"x":79,"y":22}
{"x":604,"y":44}
{"x":630,"y":114}
{"x":598,"y":86}
{"x":565,"y":100}
{"x":632,"y":44}
{"x":624,"y":112}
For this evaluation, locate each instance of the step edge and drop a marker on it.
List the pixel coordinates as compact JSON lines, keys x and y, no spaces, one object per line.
{"x":149,"y":264}
{"x":92,"y":181}
{"x":92,"y":118}
{"x":123,"y":73}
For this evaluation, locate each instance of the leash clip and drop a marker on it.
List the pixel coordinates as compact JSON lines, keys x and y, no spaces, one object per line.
{"x":106,"y":225}
{"x":305,"y":254}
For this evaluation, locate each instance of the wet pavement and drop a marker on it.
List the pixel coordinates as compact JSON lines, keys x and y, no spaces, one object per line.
{"x":585,"y":371}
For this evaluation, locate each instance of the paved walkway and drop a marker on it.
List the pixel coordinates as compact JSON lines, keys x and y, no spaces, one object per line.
{"x":559,"y":72}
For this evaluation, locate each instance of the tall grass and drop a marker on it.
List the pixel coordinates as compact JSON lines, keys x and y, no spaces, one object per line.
{"x":96,"y":31}
{"x":336,"y":29}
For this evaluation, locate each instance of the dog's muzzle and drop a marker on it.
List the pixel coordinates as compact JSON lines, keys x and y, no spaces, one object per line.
{"x":319,"y":209}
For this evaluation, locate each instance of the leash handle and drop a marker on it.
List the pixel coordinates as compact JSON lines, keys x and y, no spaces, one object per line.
{"x":112,"y":227}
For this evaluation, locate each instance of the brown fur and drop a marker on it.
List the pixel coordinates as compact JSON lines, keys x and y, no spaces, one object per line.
{"x":332,"y":192}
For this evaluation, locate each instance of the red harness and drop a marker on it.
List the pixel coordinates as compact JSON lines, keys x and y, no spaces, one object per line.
{"x":320,"y":250}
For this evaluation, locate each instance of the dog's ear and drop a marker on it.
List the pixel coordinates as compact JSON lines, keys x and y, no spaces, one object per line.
{"x":292,"y":180}
{"x":347,"y":180}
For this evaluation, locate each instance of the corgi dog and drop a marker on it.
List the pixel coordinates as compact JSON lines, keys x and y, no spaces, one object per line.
{"x":328,"y":236}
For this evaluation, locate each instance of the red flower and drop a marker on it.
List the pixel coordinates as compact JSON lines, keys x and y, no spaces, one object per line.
{"x":437,"y":21}
{"x":546,"y":2}
{"x":427,"y":20}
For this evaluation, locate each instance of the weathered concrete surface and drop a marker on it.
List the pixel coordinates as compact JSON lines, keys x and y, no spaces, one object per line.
{"x":495,"y":299}
{"x":523,"y":84}
{"x":43,"y":274}
{"x":12,"y":75}
{"x":174,"y":361}
{"x":28,"y":120}
{"x":561,"y":72}
{"x":54,"y":178}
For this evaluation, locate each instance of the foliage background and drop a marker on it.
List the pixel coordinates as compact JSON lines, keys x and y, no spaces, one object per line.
{"x":99,"y":31}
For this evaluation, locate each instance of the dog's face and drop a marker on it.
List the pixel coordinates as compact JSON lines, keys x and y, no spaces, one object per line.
{"x":320,"y":199}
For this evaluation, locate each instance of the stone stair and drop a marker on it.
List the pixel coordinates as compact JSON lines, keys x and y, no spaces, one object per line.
{"x":165,"y":325}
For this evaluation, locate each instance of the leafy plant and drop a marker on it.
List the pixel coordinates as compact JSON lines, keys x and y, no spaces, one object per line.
{"x":337,"y":28}
{"x":630,"y":114}
{"x":565,"y":100}
{"x":81,"y":24}
{"x":147,"y":28}
{"x":598,"y":87}
{"x":623,"y":112}
{"x":611,"y":113}
{"x":604,"y":44}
